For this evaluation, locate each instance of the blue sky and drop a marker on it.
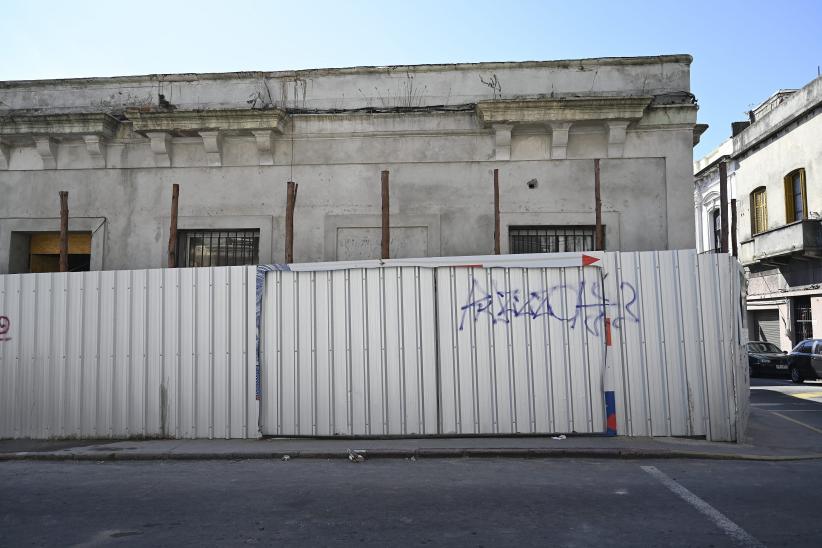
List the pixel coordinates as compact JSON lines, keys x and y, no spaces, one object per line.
{"x":743,"y":51}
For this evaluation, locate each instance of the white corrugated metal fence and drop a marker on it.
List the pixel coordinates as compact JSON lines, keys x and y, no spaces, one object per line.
{"x":644,"y":344}
{"x":143,"y":353}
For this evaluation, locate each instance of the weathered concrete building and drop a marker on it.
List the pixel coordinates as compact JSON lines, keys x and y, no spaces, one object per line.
{"x":774,"y":166}
{"x":233,"y":140}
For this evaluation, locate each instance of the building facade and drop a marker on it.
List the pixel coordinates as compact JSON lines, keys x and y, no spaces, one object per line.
{"x":774,"y":166}
{"x":706,"y":197}
{"x":232,"y":141}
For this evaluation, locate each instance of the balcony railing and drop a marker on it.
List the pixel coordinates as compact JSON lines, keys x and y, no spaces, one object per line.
{"x":801,"y":238}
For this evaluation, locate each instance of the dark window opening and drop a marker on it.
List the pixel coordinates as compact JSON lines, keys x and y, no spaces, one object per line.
{"x":218,"y":247}
{"x":550,"y":239}
{"x":716,"y":224}
{"x":40,"y":252}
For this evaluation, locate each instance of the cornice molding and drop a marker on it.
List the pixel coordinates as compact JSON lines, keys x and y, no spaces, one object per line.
{"x":229,"y":120}
{"x":57,"y":125}
{"x":564,"y":109}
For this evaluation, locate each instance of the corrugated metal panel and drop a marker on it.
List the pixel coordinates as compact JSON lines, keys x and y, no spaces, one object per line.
{"x":676,"y":369}
{"x":399,"y":350}
{"x":129,"y":353}
{"x":349,"y":352}
{"x":521,"y":350}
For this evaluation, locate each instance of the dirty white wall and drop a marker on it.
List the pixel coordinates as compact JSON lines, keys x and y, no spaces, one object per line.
{"x":440,"y":155}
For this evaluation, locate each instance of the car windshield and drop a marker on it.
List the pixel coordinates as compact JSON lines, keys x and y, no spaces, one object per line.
{"x":762,"y":347}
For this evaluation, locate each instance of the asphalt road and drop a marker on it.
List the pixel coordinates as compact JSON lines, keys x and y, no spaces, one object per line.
{"x":467,"y":502}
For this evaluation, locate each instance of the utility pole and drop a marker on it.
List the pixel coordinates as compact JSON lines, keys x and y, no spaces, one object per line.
{"x":386,"y":233}
{"x":723,"y":207}
{"x":496,"y":212}
{"x":172,"y":231}
{"x":599,"y":235}
{"x":291,"y":201}
{"x":64,"y":216}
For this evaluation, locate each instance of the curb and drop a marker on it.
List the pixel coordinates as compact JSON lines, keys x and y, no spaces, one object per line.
{"x":627,"y":454}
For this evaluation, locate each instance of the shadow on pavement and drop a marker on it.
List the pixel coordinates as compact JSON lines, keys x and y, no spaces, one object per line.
{"x":781,"y":421}
{"x":39,"y":446}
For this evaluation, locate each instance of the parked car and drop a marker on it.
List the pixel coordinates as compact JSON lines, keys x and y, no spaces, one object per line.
{"x":805,"y":361}
{"x":767,"y":360}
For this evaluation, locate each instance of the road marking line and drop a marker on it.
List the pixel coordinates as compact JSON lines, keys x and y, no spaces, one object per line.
{"x":800,"y":423}
{"x":797,"y":410}
{"x":806,"y":395}
{"x":730,"y":528}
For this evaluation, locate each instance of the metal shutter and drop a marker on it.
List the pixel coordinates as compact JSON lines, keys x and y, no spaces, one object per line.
{"x":766,"y":326}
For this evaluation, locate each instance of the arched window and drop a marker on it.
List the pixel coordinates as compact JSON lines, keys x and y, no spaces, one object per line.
{"x":716,"y":228}
{"x":759,"y":211}
{"x":796,"y":198}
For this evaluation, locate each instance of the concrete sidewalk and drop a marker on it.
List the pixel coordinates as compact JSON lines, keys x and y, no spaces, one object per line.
{"x":771,"y":437}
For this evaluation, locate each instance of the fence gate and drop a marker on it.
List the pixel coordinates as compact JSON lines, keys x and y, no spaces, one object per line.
{"x":433,"y":348}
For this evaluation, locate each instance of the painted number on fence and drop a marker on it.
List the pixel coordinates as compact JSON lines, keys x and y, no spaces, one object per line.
{"x":5,"y":326}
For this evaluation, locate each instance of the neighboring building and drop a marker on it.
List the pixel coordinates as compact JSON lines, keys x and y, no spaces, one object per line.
{"x":706,"y":197}
{"x":774,"y":165}
{"x":233,"y":140}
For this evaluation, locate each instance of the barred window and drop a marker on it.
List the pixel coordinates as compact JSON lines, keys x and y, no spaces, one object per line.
{"x":218,"y":247}
{"x":550,"y":239}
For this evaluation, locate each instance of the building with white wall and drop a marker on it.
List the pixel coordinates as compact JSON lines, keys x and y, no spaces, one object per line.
{"x":706,"y":196}
{"x":774,"y":166}
{"x":232,"y":141}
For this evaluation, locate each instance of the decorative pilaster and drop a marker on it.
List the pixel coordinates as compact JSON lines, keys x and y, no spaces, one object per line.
{"x":265,"y":146}
{"x":96,"y":148}
{"x":700,"y":246}
{"x":161,"y":147}
{"x":616,"y":137}
{"x":559,"y":140}
{"x":213,"y":142}
{"x":502,"y":136}
{"x":47,"y":149}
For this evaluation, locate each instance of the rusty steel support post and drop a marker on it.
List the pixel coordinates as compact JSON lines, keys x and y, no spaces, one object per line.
{"x":386,"y":234}
{"x":599,"y":233}
{"x":496,"y":212}
{"x":172,"y":231}
{"x":64,"y":217}
{"x":723,"y":207}
{"x":291,"y":201}
{"x":733,"y":227}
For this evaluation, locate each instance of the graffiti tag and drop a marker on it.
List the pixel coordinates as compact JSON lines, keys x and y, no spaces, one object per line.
{"x":584,"y":304}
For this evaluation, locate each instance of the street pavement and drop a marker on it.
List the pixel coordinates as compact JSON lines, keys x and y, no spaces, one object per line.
{"x":747,"y":494}
{"x":436,"y":502}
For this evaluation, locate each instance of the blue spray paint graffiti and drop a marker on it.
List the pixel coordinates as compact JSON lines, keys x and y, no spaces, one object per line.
{"x":584,"y":304}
